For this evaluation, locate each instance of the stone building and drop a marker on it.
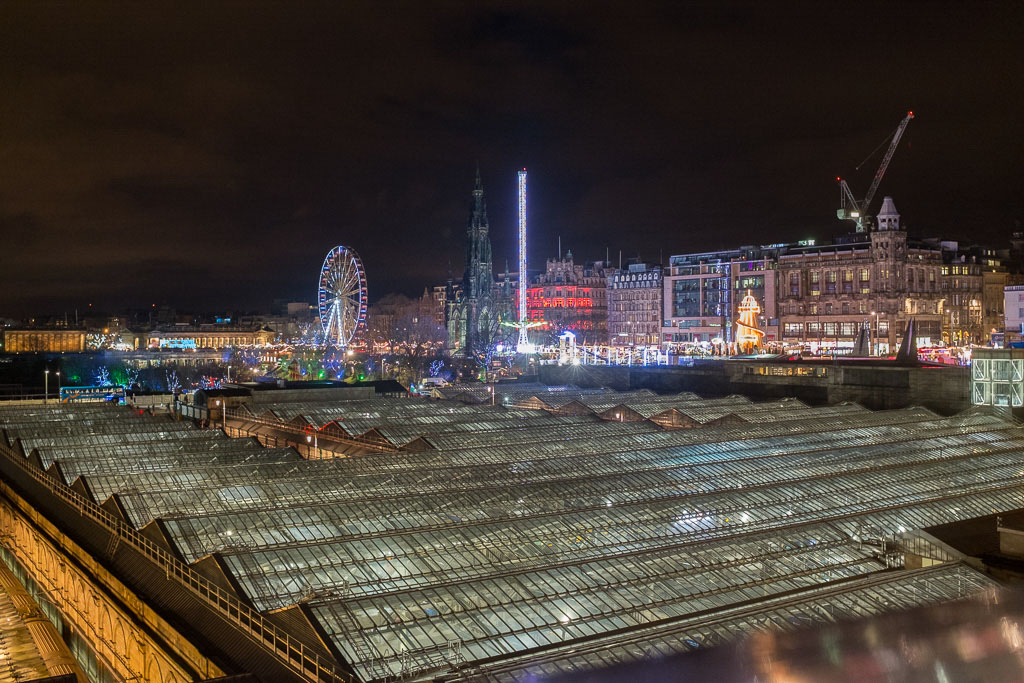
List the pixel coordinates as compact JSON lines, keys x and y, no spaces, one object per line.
{"x":635,"y":305}
{"x":993,"y":282}
{"x":972,"y":284}
{"x":208,"y":337}
{"x":962,"y":285}
{"x":820,"y":296}
{"x":439,"y":294}
{"x":569,"y":296}
{"x":882,"y":279}
{"x":29,"y":341}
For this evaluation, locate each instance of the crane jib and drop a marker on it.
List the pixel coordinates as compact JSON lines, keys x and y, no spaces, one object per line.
{"x":859,"y":210}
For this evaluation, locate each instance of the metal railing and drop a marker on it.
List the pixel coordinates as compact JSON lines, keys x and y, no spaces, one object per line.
{"x":292,"y":652}
{"x":373,"y":444}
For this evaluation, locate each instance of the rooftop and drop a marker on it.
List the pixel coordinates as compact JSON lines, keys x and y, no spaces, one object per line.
{"x":524,"y":540}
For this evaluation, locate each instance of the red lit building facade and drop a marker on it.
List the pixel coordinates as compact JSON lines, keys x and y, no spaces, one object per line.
{"x":569,"y":296}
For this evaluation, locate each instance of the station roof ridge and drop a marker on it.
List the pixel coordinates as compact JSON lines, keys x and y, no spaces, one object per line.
{"x":526,"y":532}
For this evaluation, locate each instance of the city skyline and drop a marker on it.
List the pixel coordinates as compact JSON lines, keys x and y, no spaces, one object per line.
{"x":214,"y":168}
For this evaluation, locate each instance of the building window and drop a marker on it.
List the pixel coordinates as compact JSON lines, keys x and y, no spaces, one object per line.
{"x":846,"y":309}
{"x":686,"y":298}
{"x":831,"y":329}
{"x":847,"y":329}
{"x":794,"y":283}
{"x":794,"y":329}
{"x":750,"y":282}
{"x":830,"y":282}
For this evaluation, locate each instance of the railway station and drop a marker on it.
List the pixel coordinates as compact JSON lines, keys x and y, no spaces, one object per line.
{"x":558,"y":530}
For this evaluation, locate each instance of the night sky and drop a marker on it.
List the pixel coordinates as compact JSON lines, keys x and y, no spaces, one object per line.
{"x":207,"y":156}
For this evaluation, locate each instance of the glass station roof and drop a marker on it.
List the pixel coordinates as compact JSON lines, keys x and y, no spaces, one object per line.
{"x":547,"y":543}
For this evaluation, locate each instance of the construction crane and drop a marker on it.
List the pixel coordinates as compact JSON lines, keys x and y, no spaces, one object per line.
{"x":853,"y":210}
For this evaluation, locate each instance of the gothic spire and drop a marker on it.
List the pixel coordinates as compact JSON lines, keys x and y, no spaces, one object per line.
{"x":478,"y":217}
{"x":475,"y":308}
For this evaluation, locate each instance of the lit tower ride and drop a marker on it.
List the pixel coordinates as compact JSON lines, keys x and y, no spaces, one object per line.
{"x":524,"y":345}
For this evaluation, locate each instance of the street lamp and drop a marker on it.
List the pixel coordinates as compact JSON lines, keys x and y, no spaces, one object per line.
{"x":316,"y":446}
{"x":46,"y":386}
{"x":58,"y":386}
{"x":491,"y":389}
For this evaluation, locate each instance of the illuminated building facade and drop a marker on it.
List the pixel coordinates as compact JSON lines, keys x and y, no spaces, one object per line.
{"x":208,"y":337}
{"x":635,"y":305}
{"x":703,"y":292}
{"x":30,"y":341}
{"x":820,"y":296}
{"x":973,"y":279}
{"x":827,"y":293}
{"x":993,"y":282}
{"x":439,"y":294}
{"x":569,"y":296}
{"x":1014,"y":307}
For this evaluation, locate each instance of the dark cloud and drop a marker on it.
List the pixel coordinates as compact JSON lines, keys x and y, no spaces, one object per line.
{"x":210,"y":154}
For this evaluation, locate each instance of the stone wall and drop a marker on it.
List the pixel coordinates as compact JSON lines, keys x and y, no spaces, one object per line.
{"x":945,"y":390}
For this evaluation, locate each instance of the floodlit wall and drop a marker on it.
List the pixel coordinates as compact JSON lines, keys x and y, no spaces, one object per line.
{"x":29,"y":341}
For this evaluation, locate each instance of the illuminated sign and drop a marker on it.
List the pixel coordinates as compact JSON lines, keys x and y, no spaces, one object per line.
{"x":178,"y":344}
{"x":108,"y":392}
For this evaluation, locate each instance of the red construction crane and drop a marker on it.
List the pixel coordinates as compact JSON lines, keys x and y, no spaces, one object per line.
{"x":850,"y":208}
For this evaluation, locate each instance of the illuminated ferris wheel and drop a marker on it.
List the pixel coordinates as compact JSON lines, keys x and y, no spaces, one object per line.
{"x":342,"y":296}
